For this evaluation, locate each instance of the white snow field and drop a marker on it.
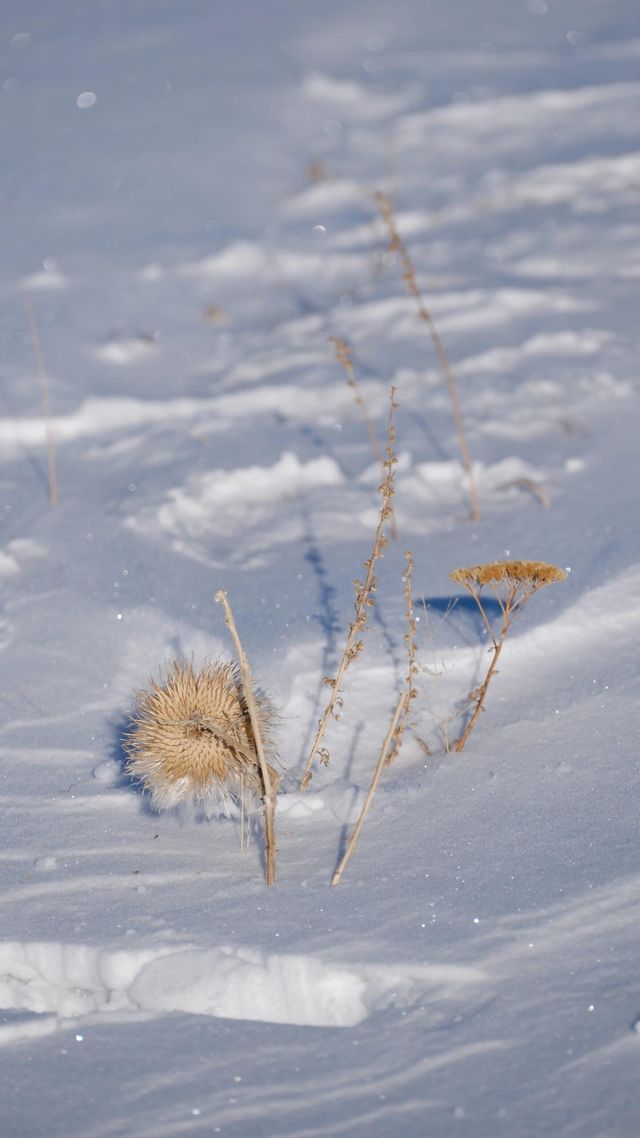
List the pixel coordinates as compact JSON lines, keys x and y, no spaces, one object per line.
{"x":188,"y":215}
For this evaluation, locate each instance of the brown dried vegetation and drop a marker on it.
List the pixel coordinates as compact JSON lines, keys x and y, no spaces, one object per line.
{"x":191,"y":738}
{"x":512,"y":583}
{"x":397,"y":245}
{"x":393,"y":738}
{"x":364,"y":601}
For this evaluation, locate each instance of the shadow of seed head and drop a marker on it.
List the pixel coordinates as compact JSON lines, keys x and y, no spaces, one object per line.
{"x":191,"y":739}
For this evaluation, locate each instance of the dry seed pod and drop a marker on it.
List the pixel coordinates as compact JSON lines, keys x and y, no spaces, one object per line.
{"x":191,"y":739}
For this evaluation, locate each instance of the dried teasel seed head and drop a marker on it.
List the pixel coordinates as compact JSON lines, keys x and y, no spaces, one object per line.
{"x":533,"y":573}
{"x":191,"y":739}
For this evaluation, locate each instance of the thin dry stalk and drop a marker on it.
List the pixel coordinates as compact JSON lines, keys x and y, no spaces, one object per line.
{"x":383,"y":761}
{"x":364,"y":601}
{"x":512,"y":583}
{"x":46,"y":403}
{"x":435,"y":671}
{"x":395,"y":732}
{"x":410,"y":692}
{"x":269,"y":791}
{"x":397,"y":245}
{"x":343,"y":355}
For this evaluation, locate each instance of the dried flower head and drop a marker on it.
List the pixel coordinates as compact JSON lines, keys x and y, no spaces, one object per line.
{"x":536,"y":573}
{"x":191,"y":739}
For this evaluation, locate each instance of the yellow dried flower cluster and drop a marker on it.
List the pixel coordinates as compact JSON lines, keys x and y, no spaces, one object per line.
{"x":533,"y":573}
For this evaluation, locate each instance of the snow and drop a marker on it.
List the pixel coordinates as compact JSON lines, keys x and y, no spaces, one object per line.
{"x":189,"y":192}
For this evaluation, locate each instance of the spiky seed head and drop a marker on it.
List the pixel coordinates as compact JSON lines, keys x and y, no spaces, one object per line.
{"x":191,"y":739}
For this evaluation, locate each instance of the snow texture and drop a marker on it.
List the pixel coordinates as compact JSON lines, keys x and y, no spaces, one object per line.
{"x":188,"y":203}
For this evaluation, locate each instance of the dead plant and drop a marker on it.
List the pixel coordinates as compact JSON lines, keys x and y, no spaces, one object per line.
{"x":343,"y":355}
{"x":364,"y":601}
{"x":512,"y":583}
{"x":269,"y":782}
{"x":397,"y":245}
{"x":393,"y":738}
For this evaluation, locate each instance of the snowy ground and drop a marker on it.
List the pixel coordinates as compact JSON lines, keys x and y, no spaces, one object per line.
{"x":187,"y":192}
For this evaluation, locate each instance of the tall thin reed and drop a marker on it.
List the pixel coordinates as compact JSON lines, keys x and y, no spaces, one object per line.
{"x":393,"y":738}
{"x":46,"y":403}
{"x":343,"y":355}
{"x":364,"y":601}
{"x":397,"y":245}
{"x":268,"y":788}
{"x":512,"y":583}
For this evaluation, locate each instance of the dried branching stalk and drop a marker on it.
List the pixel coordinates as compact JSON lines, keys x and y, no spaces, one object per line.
{"x":343,"y":355}
{"x":512,"y":583}
{"x":46,"y":403}
{"x":364,"y":601}
{"x":397,"y":245}
{"x":395,"y":732}
{"x":269,"y":787}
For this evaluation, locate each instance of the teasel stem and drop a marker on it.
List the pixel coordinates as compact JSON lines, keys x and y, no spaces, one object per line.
{"x":268,"y":789}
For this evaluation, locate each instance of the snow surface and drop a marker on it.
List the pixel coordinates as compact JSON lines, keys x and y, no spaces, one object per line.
{"x":187,"y":196}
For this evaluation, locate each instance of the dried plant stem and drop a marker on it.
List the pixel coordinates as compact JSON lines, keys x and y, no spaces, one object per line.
{"x":397,"y":245}
{"x":410,"y":692}
{"x":512,"y":583}
{"x":380,"y":765}
{"x":269,"y":790}
{"x":364,"y":601}
{"x":442,"y":720}
{"x":343,"y":355}
{"x":46,"y":403}
{"x":395,"y":732}
{"x":480,"y":695}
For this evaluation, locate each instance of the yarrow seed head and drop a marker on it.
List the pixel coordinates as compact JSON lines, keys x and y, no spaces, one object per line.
{"x":534,"y":573}
{"x":191,"y":739}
